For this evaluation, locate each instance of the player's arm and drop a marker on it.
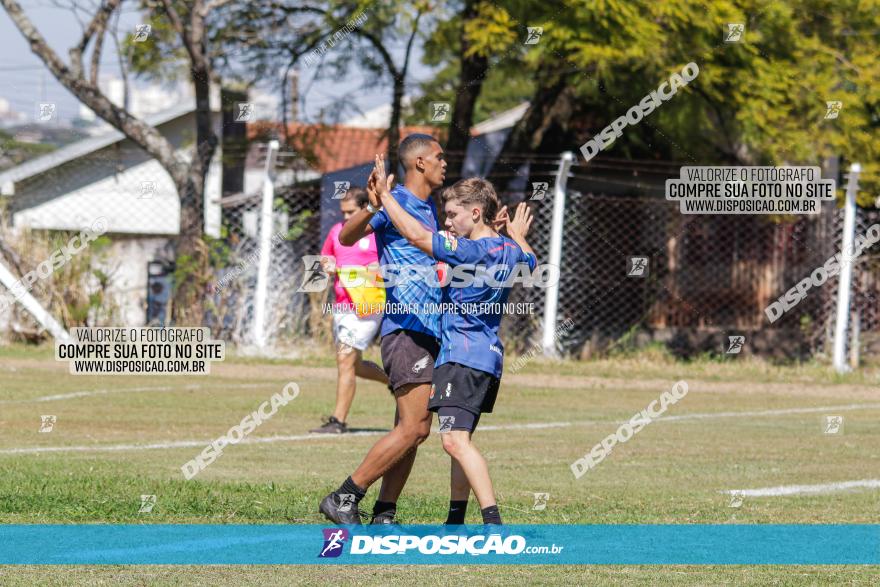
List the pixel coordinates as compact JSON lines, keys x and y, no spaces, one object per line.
{"x":408,"y":227}
{"x":518,"y":228}
{"x":328,"y":254}
{"x":365,"y":221}
{"x":356,"y":227}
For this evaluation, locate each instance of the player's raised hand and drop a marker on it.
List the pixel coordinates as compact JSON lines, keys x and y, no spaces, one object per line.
{"x":500,"y":219}
{"x":372,"y":191}
{"x":383,"y":183}
{"x":521,"y":222}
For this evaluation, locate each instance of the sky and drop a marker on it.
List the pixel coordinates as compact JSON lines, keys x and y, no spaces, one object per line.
{"x":25,"y":81}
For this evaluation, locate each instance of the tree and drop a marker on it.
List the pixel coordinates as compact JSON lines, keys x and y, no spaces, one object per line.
{"x":188,"y":21}
{"x":760,"y":100}
{"x":484,"y":29}
{"x":343,"y":33}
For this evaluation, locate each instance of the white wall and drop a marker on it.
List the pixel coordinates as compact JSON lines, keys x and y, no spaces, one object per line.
{"x":127,"y":261}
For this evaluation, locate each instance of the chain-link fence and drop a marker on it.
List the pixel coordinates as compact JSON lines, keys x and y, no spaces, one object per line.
{"x":633,"y":269}
{"x":295,"y":233}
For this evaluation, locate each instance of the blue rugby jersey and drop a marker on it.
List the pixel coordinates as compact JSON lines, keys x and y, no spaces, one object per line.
{"x":396,"y":250}
{"x":468,"y":338}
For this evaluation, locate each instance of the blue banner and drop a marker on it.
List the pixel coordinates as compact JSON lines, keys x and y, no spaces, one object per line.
{"x":516,"y":544}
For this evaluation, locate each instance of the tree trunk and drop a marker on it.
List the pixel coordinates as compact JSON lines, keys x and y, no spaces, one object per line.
{"x":192,"y":273}
{"x":527,"y":134}
{"x":470,"y":84}
{"x":394,"y":126}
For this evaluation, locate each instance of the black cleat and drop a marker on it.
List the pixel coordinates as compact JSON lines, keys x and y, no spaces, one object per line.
{"x":340,"y":509}
{"x":331,"y":426}
{"x":385,"y":518}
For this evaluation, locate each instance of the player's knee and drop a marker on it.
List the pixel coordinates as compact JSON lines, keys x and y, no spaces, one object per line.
{"x":347,"y":360}
{"x":423,"y":431}
{"x":416,"y":432}
{"x":453,"y":444}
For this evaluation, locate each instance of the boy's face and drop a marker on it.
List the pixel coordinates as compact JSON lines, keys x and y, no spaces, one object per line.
{"x":433,"y":163}
{"x":461,"y":220}
{"x":348,"y":208}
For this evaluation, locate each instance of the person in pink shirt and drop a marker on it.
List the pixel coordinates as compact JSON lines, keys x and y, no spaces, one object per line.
{"x":352,"y":332}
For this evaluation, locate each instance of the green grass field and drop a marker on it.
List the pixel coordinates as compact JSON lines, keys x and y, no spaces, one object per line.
{"x":747,"y":425}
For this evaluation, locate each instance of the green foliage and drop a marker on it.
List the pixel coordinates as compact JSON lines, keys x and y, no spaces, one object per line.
{"x":298,"y":227}
{"x":758,"y":101}
{"x":219,"y":250}
{"x":13,"y":152}
{"x":161,"y":56}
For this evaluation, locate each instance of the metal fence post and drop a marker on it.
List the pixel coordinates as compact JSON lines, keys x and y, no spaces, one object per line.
{"x":265,"y":248}
{"x":844,"y":285}
{"x":551,"y":294}
{"x":40,"y":314}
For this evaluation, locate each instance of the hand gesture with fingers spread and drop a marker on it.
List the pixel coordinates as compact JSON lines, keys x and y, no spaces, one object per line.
{"x":382,"y":183}
{"x":501,"y":219}
{"x":519,"y":226}
{"x":372,"y":191}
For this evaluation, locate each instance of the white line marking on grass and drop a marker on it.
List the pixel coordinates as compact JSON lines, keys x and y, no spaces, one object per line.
{"x":527,"y":426}
{"x":255,"y":440}
{"x":174,"y":444}
{"x":533,"y":426}
{"x":76,"y":394}
{"x":807,"y":489}
{"x":780,"y":412}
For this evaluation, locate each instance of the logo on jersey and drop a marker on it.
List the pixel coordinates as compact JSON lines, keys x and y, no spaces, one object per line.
{"x":433,"y":389}
{"x":448,"y":389}
{"x":450,"y":243}
{"x":421,"y":364}
{"x":334,"y":540}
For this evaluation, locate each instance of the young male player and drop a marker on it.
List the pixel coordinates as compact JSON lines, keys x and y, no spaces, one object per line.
{"x":409,"y":340}
{"x":468,"y":370}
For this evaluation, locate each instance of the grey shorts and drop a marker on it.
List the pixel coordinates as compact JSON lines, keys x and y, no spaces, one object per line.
{"x":408,"y":357}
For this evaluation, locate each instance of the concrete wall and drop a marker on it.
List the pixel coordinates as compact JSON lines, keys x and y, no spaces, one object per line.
{"x":127,"y":262}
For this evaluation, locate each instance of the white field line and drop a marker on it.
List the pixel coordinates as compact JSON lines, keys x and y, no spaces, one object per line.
{"x":806,"y":489}
{"x":298,"y":437}
{"x":76,"y":394}
{"x":779,"y":412}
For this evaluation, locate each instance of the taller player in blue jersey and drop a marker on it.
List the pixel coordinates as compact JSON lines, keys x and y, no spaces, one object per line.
{"x":467,"y":373}
{"x":409,"y":339}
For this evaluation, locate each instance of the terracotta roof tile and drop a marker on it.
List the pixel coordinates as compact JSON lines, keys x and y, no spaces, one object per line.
{"x":333,"y":147}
